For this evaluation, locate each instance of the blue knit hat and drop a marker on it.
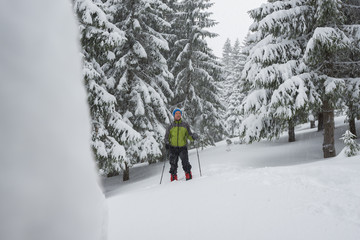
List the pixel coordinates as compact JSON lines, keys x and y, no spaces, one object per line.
{"x":176,"y":110}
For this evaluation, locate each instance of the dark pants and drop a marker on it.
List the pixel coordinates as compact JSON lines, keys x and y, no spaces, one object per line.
{"x":175,"y":153}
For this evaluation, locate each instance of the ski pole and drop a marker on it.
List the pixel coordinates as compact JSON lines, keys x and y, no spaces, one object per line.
{"x":197,"y":151}
{"x":163,"y":167}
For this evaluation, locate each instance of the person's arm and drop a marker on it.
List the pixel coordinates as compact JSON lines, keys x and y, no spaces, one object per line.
{"x":191,"y":136}
{"x":167,"y":137}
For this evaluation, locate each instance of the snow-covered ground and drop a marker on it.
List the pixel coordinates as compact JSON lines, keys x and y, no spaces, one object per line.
{"x":267,"y":190}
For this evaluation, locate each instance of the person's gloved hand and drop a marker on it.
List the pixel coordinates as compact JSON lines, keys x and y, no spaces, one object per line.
{"x":167,"y":146}
{"x":195,"y":136}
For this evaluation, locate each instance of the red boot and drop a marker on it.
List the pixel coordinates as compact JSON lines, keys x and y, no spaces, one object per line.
{"x":173,"y":177}
{"x":188,"y":176}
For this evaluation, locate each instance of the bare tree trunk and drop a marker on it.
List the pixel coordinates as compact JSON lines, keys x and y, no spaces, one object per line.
{"x":320,"y":121}
{"x":291,"y":131}
{"x":126,"y":175}
{"x":329,"y":127}
{"x":352,"y":126}
{"x":312,"y":120}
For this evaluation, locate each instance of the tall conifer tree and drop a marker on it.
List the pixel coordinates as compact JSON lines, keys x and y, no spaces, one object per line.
{"x":227,"y":53}
{"x":330,"y":60}
{"x":276,"y":96}
{"x":234,"y":91}
{"x":111,"y":135}
{"x":196,"y":71}
{"x":320,"y":53}
{"x":140,"y":74}
{"x":351,"y":9}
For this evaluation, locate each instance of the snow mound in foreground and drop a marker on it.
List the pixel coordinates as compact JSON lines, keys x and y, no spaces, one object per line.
{"x":48,"y":183}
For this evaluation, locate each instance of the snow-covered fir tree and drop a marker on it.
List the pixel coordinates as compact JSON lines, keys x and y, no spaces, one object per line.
{"x":321,"y":52}
{"x":330,"y":59}
{"x":277,"y":97}
{"x":228,"y":75}
{"x":139,"y":74}
{"x":351,"y":95}
{"x":238,"y":58}
{"x":233,"y":60}
{"x":171,"y":17}
{"x":227,"y":86}
{"x":227,"y":53}
{"x":197,"y":71}
{"x":111,"y":135}
{"x":301,"y":53}
{"x":237,"y":93}
{"x":233,"y":117}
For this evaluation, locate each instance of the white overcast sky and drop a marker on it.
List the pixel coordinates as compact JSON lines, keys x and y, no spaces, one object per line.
{"x":233,"y":21}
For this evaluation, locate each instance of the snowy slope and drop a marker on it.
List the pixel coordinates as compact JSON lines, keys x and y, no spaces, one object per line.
{"x":267,"y":190}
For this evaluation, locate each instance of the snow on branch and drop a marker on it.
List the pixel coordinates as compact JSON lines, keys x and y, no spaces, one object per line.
{"x":350,"y":5}
{"x":283,"y":98}
{"x":268,"y":8}
{"x":353,"y":87}
{"x":139,"y":50}
{"x":160,"y":42}
{"x":91,"y":14}
{"x":275,"y":74}
{"x":255,"y":100}
{"x":328,"y":38}
{"x":331,"y":84}
{"x":286,"y":22}
{"x":277,"y":52}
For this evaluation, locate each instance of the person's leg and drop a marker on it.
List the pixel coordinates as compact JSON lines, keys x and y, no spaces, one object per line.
{"x":173,"y":159}
{"x":185,"y":159}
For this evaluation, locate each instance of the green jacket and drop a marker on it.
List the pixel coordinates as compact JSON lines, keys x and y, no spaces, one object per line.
{"x":177,"y":134}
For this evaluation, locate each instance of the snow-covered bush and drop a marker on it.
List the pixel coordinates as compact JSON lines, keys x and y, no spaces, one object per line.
{"x":351,"y":146}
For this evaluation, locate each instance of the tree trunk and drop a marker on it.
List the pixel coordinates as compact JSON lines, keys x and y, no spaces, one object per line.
{"x":126,"y":175}
{"x":329,"y":127}
{"x":352,"y":126}
{"x":291,"y":131}
{"x":320,"y":121}
{"x":312,"y":124}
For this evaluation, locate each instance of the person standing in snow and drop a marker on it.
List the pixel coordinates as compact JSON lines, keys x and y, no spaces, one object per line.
{"x":176,"y":138}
